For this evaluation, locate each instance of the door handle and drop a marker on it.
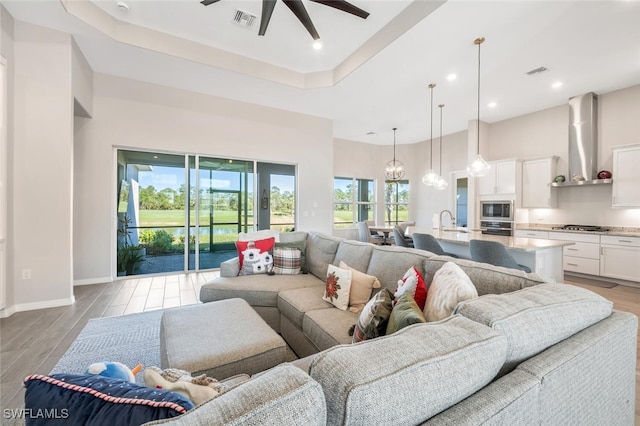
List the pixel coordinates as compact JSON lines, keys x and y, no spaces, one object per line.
{"x":572,"y":264}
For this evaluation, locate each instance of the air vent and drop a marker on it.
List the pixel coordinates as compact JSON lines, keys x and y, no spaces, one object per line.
{"x":537,"y":71}
{"x":244,"y":19}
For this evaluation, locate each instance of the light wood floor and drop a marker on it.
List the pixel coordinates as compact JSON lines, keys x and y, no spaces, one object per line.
{"x":33,"y":341}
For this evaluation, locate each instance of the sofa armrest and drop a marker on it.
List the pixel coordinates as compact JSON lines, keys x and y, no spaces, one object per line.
{"x":283,"y":395}
{"x":230,"y":268}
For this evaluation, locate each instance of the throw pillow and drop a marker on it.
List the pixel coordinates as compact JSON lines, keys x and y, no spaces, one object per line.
{"x":337,"y":287}
{"x":413,"y":283}
{"x":404,"y":313}
{"x":300,"y":245}
{"x":79,"y":399}
{"x":286,"y":261}
{"x":254,"y":256}
{"x":449,"y":287}
{"x":361,"y":286}
{"x":373,"y":319}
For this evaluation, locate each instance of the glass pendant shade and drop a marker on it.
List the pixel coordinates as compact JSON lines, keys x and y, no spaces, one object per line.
{"x":441,"y":184}
{"x":478,"y":167}
{"x":430,"y":178}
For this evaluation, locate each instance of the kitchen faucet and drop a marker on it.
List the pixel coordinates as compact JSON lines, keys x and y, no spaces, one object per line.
{"x":453,"y":219}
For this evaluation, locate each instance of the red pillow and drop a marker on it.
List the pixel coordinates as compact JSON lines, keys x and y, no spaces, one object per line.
{"x":257,"y":256}
{"x":413,"y":282}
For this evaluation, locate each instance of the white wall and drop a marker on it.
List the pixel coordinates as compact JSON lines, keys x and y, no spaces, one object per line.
{"x":133,"y":114}
{"x":41,"y":194}
{"x":82,"y":80}
{"x":356,"y":159}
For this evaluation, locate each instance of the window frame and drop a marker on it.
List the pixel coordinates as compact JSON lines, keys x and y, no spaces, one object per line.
{"x":356,"y":205}
{"x":391,"y":206}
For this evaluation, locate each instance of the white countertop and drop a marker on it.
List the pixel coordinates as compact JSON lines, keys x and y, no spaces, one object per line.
{"x":615,"y":232}
{"x":513,"y":243}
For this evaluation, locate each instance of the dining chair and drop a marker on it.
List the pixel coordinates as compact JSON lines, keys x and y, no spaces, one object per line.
{"x":429,"y":243}
{"x":404,"y":225}
{"x":494,"y":253}
{"x":364,"y":234}
{"x":399,"y":239}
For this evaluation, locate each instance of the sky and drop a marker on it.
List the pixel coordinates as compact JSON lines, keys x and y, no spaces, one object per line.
{"x":172,"y":177}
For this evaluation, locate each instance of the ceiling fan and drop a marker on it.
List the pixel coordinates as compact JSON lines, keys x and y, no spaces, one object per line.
{"x":299,"y":10}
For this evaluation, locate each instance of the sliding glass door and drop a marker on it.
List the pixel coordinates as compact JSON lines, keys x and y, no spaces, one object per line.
{"x":184,"y":212}
{"x":224,"y":205}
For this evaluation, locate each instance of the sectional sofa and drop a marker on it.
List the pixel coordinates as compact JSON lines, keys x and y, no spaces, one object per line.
{"x":525,"y":352}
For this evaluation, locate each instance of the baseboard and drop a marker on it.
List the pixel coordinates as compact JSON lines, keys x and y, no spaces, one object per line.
{"x":7,"y":312}
{"x":89,"y":281}
{"x":37,"y":305}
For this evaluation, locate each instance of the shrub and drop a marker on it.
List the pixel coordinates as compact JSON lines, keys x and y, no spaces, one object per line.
{"x":161,"y":242}
{"x":146,"y":236}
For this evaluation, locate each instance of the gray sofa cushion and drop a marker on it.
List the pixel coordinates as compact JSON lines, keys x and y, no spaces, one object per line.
{"x":535,"y":318}
{"x":293,"y":304}
{"x":356,"y":254}
{"x":284,"y":395}
{"x":258,"y":289}
{"x":328,"y":327}
{"x":409,"y":376}
{"x":293,"y":237}
{"x":389,"y":263}
{"x":487,"y":279}
{"x":321,"y":250}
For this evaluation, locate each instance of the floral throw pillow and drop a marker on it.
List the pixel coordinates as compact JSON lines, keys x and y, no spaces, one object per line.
{"x":337,"y":287}
{"x":255,"y":256}
{"x":413,"y":283}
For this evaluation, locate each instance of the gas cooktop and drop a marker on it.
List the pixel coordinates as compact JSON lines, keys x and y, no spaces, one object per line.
{"x":588,"y":228}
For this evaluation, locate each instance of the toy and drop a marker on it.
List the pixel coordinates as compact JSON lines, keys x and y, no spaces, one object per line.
{"x":197,"y":389}
{"x":116,"y":370}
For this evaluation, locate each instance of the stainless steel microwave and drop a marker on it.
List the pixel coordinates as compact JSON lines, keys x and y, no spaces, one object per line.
{"x":496,"y":210}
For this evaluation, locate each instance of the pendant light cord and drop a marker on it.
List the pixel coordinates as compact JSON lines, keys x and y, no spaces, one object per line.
{"x":440,"y":168}
{"x":478,"y":41}
{"x":394,"y":147}
{"x":431,"y":86}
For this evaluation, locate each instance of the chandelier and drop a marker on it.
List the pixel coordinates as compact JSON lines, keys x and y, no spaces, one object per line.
{"x":394,"y":170}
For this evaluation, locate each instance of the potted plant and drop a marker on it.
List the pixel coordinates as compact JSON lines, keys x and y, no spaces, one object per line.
{"x":129,"y":255}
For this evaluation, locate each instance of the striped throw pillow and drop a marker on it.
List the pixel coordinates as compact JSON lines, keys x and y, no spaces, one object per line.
{"x":286,"y":261}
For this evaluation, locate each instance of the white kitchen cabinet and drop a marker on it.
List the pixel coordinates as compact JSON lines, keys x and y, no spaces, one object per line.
{"x":500,"y":180}
{"x":537,"y":176}
{"x":526,"y":233}
{"x":620,"y":257}
{"x":626,"y":176}
{"x":583,"y":256}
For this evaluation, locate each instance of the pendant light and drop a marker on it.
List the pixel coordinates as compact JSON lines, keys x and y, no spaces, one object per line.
{"x":431,"y":177}
{"x":478,"y":166}
{"x":394,"y":170}
{"x":441,"y":184}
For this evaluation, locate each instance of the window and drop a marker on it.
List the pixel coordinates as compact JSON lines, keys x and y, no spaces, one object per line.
{"x":396,"y":197}
{"x":353,"y":201}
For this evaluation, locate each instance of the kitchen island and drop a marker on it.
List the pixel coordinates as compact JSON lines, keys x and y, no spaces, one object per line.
{"x":544,"y":257}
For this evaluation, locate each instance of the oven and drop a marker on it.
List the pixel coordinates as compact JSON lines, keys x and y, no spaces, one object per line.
{"x":497,"y":227}
{"x":496,"y":210}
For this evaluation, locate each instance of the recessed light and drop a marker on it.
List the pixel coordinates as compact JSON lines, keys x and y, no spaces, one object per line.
{"x":556,"y":84}
{"x":317,"y":45}
{"x":492,"y":104}
{"x":451,"y":77}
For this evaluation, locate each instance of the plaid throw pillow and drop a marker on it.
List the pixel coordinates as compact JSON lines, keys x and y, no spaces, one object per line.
{"x":373,"y":319}
{"x":286,"y":261}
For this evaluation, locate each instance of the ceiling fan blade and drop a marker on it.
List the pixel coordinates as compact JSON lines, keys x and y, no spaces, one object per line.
{"x":267,"y":10}
{"x":298,"y":9}
{"x":344,"y":6}
{"x":208,"y":2}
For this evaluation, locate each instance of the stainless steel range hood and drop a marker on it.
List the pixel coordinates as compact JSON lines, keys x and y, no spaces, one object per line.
{"x":583,"y":142}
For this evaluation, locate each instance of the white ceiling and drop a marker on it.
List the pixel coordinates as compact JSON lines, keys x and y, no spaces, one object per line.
{"x":371,"y":75}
